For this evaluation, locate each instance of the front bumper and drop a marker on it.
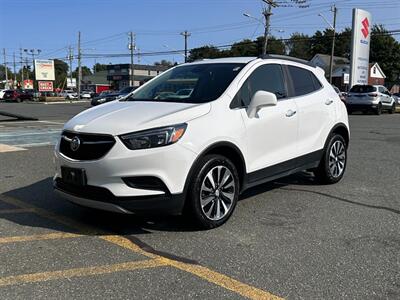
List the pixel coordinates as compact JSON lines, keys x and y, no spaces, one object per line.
{"x":105,"y":186}
{"x":100,"y":198}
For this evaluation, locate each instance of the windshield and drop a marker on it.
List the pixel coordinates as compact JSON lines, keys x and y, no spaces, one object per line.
{"x":363,"y":89}
{"x":198,"y":83}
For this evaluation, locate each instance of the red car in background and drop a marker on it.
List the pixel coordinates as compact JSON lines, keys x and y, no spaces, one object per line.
{"x":18,"y":95}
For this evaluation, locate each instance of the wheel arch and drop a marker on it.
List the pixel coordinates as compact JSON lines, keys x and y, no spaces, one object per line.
{"x":227,"y":149}
{"x":341,"y":129}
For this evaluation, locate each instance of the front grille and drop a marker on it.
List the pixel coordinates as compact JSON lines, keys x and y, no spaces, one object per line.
{"x":91,"y":146}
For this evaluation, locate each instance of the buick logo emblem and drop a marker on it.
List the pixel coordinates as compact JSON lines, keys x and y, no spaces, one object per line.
{"x":75,"y":143}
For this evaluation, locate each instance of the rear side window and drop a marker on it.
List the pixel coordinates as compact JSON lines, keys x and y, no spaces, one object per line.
{"x":267,"y":78}
{"x":362,"y":89}
{"x":304,"y":81}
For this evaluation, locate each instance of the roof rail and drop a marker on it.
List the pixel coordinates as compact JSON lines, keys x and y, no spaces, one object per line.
{"x":289,"y":58}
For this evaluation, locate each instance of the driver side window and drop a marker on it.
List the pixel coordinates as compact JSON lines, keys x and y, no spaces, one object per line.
{"x":268,"y":78}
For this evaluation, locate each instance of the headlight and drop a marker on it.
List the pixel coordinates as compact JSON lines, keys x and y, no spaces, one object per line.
{"x":101,"y":100}
{"x":154,"y":137}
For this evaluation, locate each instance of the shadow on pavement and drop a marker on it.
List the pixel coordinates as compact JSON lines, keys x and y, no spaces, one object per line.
{"x":40,"y":194}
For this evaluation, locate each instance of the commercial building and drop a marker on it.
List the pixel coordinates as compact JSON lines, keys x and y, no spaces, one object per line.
{"x":119,"y":75}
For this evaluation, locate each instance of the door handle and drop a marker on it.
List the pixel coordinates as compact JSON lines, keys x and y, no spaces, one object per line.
{"x":328,"y":101}
{"x":290,"y":113}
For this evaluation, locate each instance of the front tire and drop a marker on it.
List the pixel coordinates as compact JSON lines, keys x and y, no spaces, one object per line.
{"x":213,"y":191}
{"x":333,"y":162}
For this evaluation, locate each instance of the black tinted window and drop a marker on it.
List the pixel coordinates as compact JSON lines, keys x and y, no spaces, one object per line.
{"x":267,"y":78}
{"x":304,"y":81}
{"x":362,"y":89}
{"x":204,"y":82}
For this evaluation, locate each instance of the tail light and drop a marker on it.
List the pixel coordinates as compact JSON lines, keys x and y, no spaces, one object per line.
{"x":373,"y":95}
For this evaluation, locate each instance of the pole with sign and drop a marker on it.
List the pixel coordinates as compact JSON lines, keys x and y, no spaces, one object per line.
{"x":360,"y":45}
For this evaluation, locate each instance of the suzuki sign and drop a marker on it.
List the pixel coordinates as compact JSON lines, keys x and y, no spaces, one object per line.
{"x":360,"y":44}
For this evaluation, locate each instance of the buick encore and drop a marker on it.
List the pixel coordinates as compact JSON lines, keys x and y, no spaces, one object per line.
{"x":196,"y":136}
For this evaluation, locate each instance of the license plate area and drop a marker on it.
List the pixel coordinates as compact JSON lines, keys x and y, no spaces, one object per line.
{"x":73,"y":176}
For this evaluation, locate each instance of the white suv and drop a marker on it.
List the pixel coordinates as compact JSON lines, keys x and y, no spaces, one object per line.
{"x":246,"y":121}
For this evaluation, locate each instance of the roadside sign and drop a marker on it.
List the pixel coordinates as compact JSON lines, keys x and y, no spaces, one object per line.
{"x":44,"y":69}
{"x":360,"y":45}
{"x":346,"y":78}
{"x":71,"y":84}
{"x":45,"y":86}
{"x":28,"y":84}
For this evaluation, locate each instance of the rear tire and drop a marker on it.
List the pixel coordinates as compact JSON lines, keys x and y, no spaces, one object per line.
{"x":18,"y":100}
{"x":392,"y":110}
{"x":333,"y":162}
{"x":213,"y":191}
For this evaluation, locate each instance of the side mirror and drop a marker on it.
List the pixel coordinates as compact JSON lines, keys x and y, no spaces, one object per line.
{"x":260,"y":99}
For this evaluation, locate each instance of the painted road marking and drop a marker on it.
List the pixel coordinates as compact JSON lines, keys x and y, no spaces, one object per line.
{"x":8,"y":148}
{"x":16,"y":211}
{"x":202,"y":272}
{"x":81,"y":272}
{"x":38,"y":237}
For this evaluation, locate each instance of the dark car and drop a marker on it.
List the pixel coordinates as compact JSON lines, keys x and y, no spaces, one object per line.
{"x":18,"y":95}
{"x":103,"y":98}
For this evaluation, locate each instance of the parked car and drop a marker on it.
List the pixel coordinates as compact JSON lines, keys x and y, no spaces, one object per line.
{"x":246,"y":122}
{"x":101,"y":98}
{"x":69,"y":94}
{"x":17,"y":95}
{"x":86,"y":94}
{"x":366,"y":98}
{"x":342,"y":96}
{"x":112,"y":96}
{"x":2,"y":93}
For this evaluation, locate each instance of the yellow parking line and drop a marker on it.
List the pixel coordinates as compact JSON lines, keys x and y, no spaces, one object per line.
{"x":200,"y":271}
{"x":16,"y":211}
{"x":38,"y":237}
{"x":81,"y":272}
{"x":222,"y":280}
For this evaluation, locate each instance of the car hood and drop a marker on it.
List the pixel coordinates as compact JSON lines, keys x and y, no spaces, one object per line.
{"x":119,"y":117}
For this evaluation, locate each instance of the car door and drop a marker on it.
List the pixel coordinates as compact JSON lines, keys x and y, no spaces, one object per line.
{"x":316,"y":110}
{"x":385,"y":96}
{"x":271,"y":138}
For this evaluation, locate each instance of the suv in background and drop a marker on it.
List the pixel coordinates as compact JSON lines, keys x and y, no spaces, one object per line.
{"x":245,"y":121}
{"x":111,"y":96}
{"x":374,"y":98}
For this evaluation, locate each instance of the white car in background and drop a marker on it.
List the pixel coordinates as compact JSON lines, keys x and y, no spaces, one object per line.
{"x":2,"y":92}
{"x":86,"y":94}
{"x":244,"y":122}
{"x":69,"y":94}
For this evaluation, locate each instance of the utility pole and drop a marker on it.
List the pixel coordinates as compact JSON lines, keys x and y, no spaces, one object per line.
{"x":22,"y":67}
{"x":186,"y":34}
{"x":27,"y":70}
{"x":79,"y":66}
{"x":267,"y":12}
{"x":334,"y":10}
{"x":131,"y":47}
{"x":5,"y":67}
{"x":15,"y":72}
{"x":70,"y":57}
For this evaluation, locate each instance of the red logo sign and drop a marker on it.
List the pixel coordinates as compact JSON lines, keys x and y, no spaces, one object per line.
{"x":45,"y":86}
{"x":365,"y":28}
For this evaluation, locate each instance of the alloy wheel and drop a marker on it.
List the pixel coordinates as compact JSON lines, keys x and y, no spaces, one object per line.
{"x":337,"y":158}
{"x":217,"y":193}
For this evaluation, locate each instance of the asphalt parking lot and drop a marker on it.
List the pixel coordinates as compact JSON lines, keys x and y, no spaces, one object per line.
{"x":291,"y":238}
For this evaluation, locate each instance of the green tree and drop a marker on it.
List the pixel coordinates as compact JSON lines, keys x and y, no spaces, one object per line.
{"x":60,"y":72}
{"x":299,"y":46}
{"x":164,"y":62}
{"x":85,"y":71}
{"x":245,"y":48}
{"x":204,"y":52}
{"x":99,"y":67}
{"x":385,"y":50}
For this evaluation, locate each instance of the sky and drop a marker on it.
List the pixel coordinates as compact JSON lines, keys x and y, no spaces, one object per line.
{"x":53,"y":25}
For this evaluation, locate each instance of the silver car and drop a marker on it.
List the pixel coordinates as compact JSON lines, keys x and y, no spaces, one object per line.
{"x":374,"y":98}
